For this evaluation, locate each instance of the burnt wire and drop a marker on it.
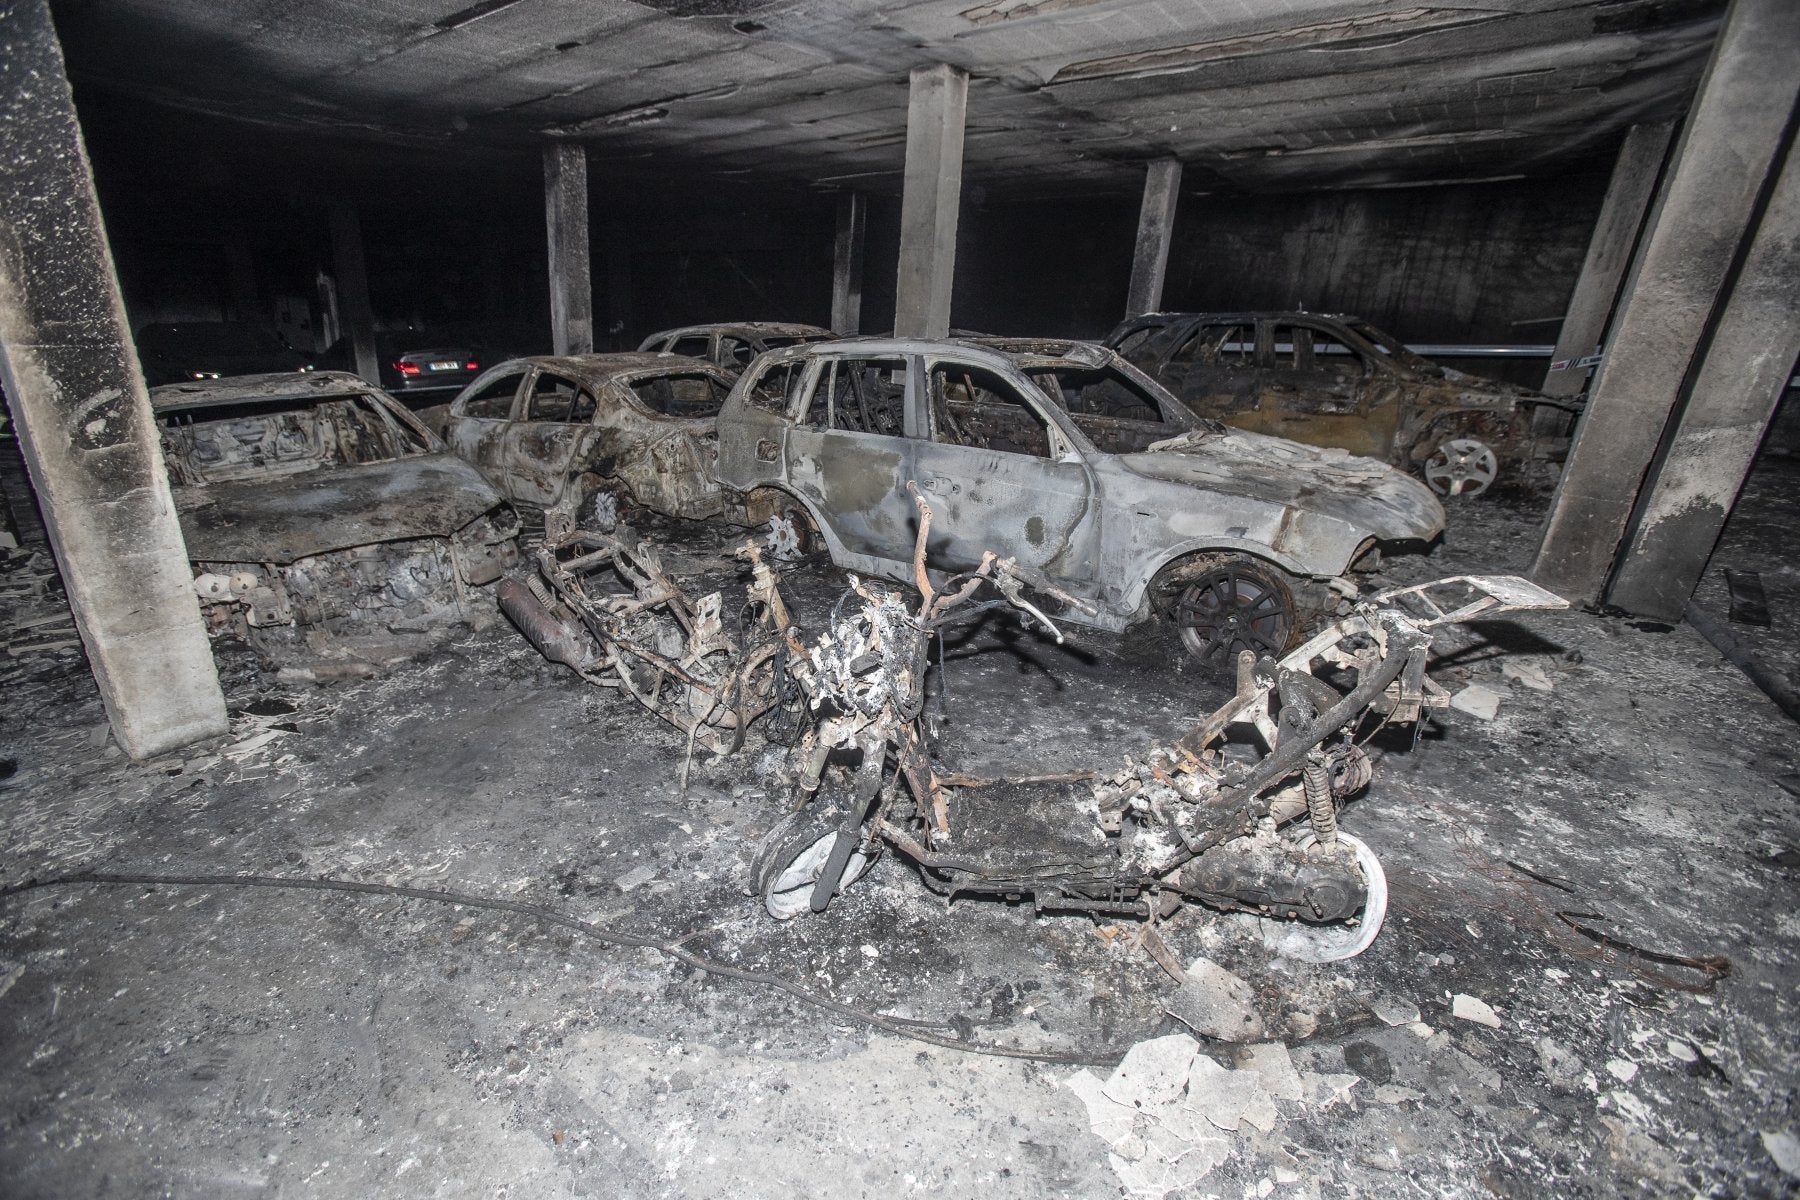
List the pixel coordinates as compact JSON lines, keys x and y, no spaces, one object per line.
{"x":898,"y":1026}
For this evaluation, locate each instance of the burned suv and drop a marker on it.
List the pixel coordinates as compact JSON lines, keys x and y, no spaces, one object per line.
{"x":1070,"y":462}
{"x":1337,"y":381}
{"x":322,"y":517}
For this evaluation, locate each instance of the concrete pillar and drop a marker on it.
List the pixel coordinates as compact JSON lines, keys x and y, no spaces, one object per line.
{"x":1747,"y":365}
{"x":1609,"y":250}
{"x":357,"y":321}
{"x":1156,"y":223}
{"x":931,"y":194}
{"x":83,"y":416}
{"x":566,"y":215}
{"x":1732,"y":134}
{"x":847,"y":263}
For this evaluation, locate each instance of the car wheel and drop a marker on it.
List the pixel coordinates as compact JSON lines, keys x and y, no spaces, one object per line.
{"x":1237,"y":604}
{"x":599,"y":511}
{"x":790,"y":857}
{"x":790,"y":533}
{"x":1461,"y":467}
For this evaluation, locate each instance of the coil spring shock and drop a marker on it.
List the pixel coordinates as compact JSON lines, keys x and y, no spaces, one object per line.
{"x":1316,"y":780}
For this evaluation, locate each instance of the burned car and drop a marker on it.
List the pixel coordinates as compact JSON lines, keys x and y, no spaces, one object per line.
{"x":1337,"y":381}
{"x":321,"y":516}
{"x":733,"y":345}
{"x":579,"y":434}
{"x":1067,"y":460}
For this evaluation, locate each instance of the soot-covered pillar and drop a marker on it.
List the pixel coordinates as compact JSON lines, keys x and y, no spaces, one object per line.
{"x":83,"y":415}
{"x":1749,"y":360}
{"x":847,"y":263}
{"x":353,"y":291}
{"x":566,"y":216}
{"x":931,"y":194}
{"x":1156,"y":224}
{"x":1711,"y":192}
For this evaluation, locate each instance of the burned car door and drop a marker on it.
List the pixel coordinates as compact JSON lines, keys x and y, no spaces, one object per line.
{"x":849,"y":451}
{"x":479,"y":420}
{"x":1213,"y":368}
{"x":549,"y":438}
{"x":1001,"y":473}
{"x":1319,"y":389}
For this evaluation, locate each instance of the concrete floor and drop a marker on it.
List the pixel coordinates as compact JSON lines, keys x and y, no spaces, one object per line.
{"x":225,"y":1041}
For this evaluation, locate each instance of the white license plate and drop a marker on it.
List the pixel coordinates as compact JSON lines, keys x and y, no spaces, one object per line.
{"x":446,"y":366}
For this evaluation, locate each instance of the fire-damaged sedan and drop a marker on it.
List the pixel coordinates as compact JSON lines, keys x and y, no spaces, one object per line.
{"x":1338,"y":381}
{"x":578,"y":434}
{"x":322,"y":517}
{"x":1072,"y":463}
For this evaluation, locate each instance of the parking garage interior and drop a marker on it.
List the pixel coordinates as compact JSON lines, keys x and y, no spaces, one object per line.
{"x":673,"y":598}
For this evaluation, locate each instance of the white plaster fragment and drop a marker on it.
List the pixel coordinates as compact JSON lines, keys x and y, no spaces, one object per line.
{"x":1622,"y":1069}
{"x":1272,"y":1062}
{"x":1477,"y":700}
{"x":1784,"y":1148}
{"x":1153,"y":1072}
{"x":1468,"y":1008}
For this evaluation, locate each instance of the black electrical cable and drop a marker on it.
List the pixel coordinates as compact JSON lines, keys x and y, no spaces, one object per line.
{"x":898,"y":1026}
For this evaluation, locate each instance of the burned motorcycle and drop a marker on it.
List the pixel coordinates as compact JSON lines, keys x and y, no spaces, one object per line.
{"x":1202,"y":819}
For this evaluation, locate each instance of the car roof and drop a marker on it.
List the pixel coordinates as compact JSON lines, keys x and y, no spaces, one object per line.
{"x":597,"y":368}
{"x":249,"y":389}
{"x":1036,"y":352}
{"x":750,"y":328}
{"x":1276,"y":314}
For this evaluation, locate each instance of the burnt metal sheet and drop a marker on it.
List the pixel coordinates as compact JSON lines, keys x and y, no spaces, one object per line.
{"x":290,"y":517}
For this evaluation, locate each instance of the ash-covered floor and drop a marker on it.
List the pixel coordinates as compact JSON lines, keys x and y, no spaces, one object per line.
{"x":239,"y":1041}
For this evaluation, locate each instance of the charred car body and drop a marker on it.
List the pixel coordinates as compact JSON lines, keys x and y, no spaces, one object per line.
{"x":1068,"y":461}
{"x":1337,"y":381}
{"x":578,"y":434}
{"x":320,"y":514}
{"x":733,"y":345}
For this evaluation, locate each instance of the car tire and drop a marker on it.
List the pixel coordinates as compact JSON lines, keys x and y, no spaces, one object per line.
{"x":1223,"y":604}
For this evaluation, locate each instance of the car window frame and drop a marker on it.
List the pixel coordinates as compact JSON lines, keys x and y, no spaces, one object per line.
{"x":459,"y":407}
{"x":522,"y":401}
{"x":1076,"y":446}
{"x":624,"y":382}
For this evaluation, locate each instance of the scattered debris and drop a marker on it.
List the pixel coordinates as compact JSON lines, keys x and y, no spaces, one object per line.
{"x":1216,"y":1004}
{"x":1561,"y":1065}
{"x":1478,"y":700}
{"x":1784,"y":1148}
{"x":1391,"y":1011}
{"x":1622,"y":1069}
{"x":1533,"y":673}
{"x":1468,"y":1008}
{"x":635,"y":878}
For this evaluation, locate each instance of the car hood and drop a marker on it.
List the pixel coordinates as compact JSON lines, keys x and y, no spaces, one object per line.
{"x":1330,"y":482}
{"x":288,"y":517}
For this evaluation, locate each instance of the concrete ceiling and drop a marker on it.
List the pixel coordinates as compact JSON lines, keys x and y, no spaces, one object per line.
{"x":1066,"y":96}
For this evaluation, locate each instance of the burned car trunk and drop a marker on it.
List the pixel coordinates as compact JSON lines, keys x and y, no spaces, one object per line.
{"x":323,"y":519}
{"x":582,"y":435}
{"x":1338,"y":381}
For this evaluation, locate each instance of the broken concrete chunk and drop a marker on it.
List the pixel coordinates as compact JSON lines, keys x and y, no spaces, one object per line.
{"x":1622,"y":1069}
{"x":1468,"y":1008}
{"x":1393,"y":1093}
{"x":1560,"y":1064}
{"x":1111,"y":1121}
{"x":1784,"y":1148}
{"x":1529,"y":672}
{"x":1394,"y":1012}
{"x":636,"y":877}
{"x":1477,"y":700}
{"x":1169,"y":1163}
{"x":1323,"y":1091}
{"x":1223,"y":1096}
{"x":1271,"y":1061}
{"x":1153,"y":1072}
{"x":1215,"y":1003}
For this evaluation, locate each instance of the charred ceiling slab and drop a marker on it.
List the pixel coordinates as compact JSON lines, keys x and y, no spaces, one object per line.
{"x":1070,"y":94}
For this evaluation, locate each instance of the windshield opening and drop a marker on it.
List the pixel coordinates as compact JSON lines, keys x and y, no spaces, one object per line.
{"x":256,"y":439}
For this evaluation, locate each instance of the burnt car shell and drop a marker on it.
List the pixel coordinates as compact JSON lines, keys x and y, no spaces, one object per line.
{"x":1328,"y":380}
{"x":1110,"y":505}
{"x":733,"y":345}
{"x":289,"y":485}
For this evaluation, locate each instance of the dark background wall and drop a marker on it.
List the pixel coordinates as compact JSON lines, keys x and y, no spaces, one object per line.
{"x":211,"y":219}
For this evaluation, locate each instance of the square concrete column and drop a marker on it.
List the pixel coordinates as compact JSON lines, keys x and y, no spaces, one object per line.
{"x":847,"y":263}
{"x":1156,"y":224}
{"x":83,"y":415}
{"x":1732,"y":135}
{"x":1747,"y":366}
{"x":1615,"y":236}
{"x":566,"y":215}
{"x":358,"y":319}
{"x":928,"y":204}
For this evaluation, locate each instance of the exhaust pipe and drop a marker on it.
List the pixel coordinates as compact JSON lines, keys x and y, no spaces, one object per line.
{"x":541,"y":627}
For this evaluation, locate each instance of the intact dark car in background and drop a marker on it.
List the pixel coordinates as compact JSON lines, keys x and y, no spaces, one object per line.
{"x":1337,"y":381}
{"x":173,"y":352}
{"x":322,"y":517}
{"x":733,"y":345}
